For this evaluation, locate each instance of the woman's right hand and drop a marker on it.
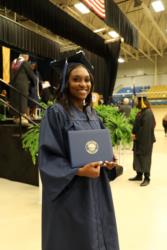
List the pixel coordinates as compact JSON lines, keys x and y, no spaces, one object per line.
{"x":91,"y":170}
{"x":133,"y":136}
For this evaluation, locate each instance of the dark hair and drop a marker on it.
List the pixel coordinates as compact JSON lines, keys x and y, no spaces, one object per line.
{"x":64,"y":98}
{"x":146,"y":102}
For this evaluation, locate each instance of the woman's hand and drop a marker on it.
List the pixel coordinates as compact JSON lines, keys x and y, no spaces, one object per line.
{"x":91,"y":170}
{"x":109,"y":164}
{"x":133,"y":136}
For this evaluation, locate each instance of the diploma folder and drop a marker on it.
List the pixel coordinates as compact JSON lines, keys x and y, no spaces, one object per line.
{"x":87,"y":146}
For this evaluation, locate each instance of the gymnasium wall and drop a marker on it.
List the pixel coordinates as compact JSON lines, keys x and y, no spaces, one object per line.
{"x":142,"y":73}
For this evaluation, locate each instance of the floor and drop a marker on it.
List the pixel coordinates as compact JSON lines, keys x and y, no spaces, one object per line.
{"x":141,"y":212}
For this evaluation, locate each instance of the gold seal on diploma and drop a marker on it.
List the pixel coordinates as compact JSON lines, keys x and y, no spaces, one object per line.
{"x":92,"y":147}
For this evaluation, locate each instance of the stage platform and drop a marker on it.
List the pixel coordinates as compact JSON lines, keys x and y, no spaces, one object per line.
{"x":15,"y":162}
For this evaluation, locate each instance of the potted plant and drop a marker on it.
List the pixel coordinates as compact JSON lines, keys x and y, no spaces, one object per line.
{"x":30,"y":141}
{"x":119,"y":126}
{"x":2,"y":111}
{"x":117,"y":123}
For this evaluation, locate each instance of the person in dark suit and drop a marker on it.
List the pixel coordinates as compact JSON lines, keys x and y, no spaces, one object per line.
{"x":125,"y":107}
{"x":143,"y":139}
{"x":22,"y":76}
{"x":34,"y":90}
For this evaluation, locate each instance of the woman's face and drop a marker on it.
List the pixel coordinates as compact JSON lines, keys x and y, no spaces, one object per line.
{"x":79,"y":84}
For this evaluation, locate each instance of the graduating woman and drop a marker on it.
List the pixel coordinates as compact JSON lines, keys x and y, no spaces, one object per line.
{"x":77,"y":211}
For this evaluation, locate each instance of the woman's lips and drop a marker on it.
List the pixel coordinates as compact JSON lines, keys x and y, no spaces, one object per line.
{"x":83,"y":91}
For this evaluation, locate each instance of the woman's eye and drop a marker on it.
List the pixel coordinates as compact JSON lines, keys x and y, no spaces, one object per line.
{"x":79,"y":79}
{"x":76,"y":79}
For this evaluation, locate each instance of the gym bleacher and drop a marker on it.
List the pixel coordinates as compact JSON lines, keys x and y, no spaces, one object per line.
{"x":157,"y":95}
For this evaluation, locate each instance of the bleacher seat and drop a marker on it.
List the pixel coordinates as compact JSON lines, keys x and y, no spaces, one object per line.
{"x":157,"y":92}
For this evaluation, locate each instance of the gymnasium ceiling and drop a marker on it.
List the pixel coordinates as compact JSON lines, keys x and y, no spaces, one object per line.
{"x":151,"y":27}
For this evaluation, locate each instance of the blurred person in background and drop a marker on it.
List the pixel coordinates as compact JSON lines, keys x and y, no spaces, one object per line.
{"x":22,"y":76}
{"x":125,"y":107}
{"x":164,"y":124}
{"x":46,"y":92}
{"x":143,"y":139}
{"x":34,"y":91}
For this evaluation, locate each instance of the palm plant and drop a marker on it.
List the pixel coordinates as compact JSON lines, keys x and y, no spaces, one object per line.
{"x":30,"y":141}
{"x":118,"y":125}
{"x":2,"y":115}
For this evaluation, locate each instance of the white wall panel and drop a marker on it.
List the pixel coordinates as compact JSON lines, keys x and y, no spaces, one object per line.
{"x":141,"y":73}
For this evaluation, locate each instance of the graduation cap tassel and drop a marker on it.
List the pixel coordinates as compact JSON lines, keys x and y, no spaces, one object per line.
{"x":143,"y":106}
{"x":64,"y":77}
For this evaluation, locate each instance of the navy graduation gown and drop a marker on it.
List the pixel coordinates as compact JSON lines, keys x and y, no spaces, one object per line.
{"x":77,"y":212}
{"x":143,"y":128}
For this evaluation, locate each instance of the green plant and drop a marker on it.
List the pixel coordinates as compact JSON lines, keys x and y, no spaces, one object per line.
{"x":118,"y":125}
{"x":2,"y":116}
{"x":30,"y":138}
{"x":45,"y":106}
{"x":30,"y":141}
{"x":133,"y":114}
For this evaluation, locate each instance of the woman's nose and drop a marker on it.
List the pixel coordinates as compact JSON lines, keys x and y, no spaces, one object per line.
{"x":83,"y":83}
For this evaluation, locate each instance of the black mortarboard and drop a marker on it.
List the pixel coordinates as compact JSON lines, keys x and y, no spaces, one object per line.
{"x":142,"y":94}
{"x":142,"y":98}
{"x":62,"y":65}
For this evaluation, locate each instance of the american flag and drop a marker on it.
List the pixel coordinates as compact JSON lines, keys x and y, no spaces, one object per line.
{"x":97,"y":6}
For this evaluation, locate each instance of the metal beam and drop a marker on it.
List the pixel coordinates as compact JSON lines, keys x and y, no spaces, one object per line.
{"x":148,"y":57}
{"x":154,"y":23}
{"x":128,"y":52}
{"x":145,"y":38}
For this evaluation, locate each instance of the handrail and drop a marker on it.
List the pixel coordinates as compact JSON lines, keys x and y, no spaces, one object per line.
{"x":20,"y":93}
{"x":18,"y":112}
{"x":7,"y":87}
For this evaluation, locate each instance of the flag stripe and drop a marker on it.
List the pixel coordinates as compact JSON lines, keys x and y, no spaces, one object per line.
{"x":98,"y":2}
{"x":98,"y":6}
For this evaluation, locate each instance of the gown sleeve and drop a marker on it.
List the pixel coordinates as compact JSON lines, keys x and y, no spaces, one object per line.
{"x":55,"y":170}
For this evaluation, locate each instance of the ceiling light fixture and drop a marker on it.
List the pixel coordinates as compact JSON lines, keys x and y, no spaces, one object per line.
{"x":158,"y":6}
{"x":81,"y":8}
{"x":113,"y":34}
{"x":112,"y":40}
{"x":99,"y":30}
{"x":121,"y":60}
{"x":122,"y":39}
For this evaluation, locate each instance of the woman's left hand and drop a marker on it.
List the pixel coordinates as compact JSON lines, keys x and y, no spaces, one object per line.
{"x":109,"y":164}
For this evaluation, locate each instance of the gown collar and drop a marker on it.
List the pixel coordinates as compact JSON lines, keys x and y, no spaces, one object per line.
{"x":88,"y":114}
